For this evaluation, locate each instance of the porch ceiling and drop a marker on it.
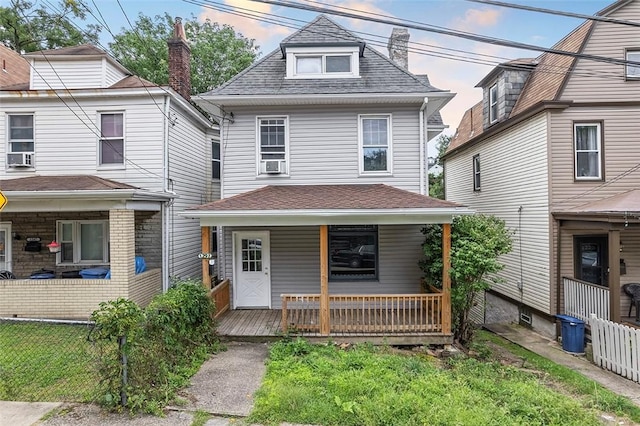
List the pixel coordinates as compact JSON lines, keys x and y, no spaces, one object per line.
{"x":287,"y":205}
{"x":76,"y":193}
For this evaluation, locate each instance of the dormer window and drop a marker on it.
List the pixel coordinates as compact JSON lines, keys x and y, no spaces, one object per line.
{"x":493,"y":103}
{"x":323,"y":62}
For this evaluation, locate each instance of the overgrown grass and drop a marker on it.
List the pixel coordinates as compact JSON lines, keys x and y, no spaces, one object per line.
{"x":591,"y":393}
{"x":321,"y":384}
{"x":45,"y":362}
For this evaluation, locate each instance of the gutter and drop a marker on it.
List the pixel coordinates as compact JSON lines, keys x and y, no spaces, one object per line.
{"x":119,"y":194}
{"x":424,"y":187}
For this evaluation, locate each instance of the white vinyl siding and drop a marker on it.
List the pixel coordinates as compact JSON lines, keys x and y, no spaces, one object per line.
{"x":189,"y":174}
{"x":514,"y":188}
{"x":323,"y":148}
{"x":295,"y":262}
{"x":599,"y":81}
{"x":112,"y":74}
{"x":78,"y":74}
{"x":67,"y":138}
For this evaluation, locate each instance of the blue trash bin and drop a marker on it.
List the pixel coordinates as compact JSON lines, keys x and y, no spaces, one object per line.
{"x":572,"y":334}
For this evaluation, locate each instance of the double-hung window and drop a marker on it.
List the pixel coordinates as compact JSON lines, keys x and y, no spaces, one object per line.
{"x":588,"y":151}
{"x":476,"y":172}
{"x":83,"y":241}
{"x":353,"y":252}
{"x":215,"y":159}
{"x":323,"y":62}
{"x":375,"y":143}
{"x":21,"y":140}
{"x":493,"y":103}
{"x":272,"y":145}
{"x":632,"y":72}
{"x":111,"y":138}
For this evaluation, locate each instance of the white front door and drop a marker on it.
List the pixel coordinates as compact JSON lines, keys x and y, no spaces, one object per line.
{"x":252,"y":269}
{"x":5,"y":247}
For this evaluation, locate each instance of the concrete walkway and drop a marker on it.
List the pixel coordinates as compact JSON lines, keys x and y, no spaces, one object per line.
{"x":14,"y":413}
{"x":551,"y":350}
{"x":225,"y":384}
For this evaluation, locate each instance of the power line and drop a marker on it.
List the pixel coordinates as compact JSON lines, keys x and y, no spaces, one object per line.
{"x":558,"y":12}
{"x":449,"y":32}
{"x":549,"y":69}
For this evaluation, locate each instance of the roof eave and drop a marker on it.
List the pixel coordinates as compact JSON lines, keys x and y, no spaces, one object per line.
{"x":405,"y":216}
{"x":115,"y":194}
{"x":302,"y":99}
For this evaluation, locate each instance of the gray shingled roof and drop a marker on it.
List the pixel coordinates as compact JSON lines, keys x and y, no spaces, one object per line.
{"x":378,"y":74}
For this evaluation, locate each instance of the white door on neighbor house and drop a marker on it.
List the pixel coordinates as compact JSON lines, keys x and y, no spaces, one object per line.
{"x":252,"y":269}
{"x":5,"y":247}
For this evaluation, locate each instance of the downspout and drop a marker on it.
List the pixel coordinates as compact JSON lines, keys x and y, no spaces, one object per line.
{"x":424,"y":187}
{"x":222,"y":270}
{"x":165,"y":206}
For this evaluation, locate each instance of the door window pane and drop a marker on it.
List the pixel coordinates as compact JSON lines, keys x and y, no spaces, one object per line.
{"x":591,"y":259}
{"x":251,"y":255}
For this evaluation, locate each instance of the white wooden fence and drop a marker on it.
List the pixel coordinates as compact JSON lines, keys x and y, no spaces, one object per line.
{"x":582,"y":299}
{"x":616,"y":347}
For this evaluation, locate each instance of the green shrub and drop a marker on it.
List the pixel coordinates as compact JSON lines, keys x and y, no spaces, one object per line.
{"x":163,"y":344}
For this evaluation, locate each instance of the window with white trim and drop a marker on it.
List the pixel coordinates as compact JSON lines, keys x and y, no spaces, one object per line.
{"x":111,"y":150}
{"x":632,"y":72}
{"x":588,"y":151}
{"x":83,"y":241}
{"x":215,"y":159}
{"x":323,"y":62}
{"x":272,"y":145}
{"x":476,"y":172}
{"x":21,"y":140}
{"x":375,"y":143}
{"x":493,"y":103}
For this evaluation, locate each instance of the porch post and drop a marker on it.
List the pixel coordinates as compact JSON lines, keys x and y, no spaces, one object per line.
{"x":206,"y":248}
{"x":122,"y":237}
{"x":324,"y":280}
{"x":614,"y":275}
{"x":446,"y":278}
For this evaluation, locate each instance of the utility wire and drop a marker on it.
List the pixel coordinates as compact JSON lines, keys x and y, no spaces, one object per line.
{"x":449,"y":32}
{"x":558,"y":12}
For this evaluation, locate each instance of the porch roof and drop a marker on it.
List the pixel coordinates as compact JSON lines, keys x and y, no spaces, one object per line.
{"x":621,"y":204}
{"x":326,"y":205}
{"x":71,"y":193}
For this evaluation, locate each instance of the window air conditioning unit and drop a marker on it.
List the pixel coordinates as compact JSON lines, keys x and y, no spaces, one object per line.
{"x":272,"y":167}
{"x":20,"y":159}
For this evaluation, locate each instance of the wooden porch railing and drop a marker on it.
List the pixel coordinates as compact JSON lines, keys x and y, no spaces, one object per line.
{"x":220,"y":296}
{"x":384,"y":313}
{"x":581,"y":299}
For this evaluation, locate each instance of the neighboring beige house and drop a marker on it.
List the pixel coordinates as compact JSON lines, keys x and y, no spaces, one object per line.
{"x":552,"y":149}
{"x":100,"y":162}
{"x":323,"y":189}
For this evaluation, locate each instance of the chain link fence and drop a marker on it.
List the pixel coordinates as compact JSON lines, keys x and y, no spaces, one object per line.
{"x":47,"y":360}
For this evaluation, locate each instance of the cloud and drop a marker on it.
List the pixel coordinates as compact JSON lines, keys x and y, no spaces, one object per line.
{"x":254,"y":28}
{"x":476,"y":18}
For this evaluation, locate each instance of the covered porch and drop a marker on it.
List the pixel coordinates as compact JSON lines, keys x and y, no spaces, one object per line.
{"x":414,"y":317}
{"x":598,"y":255}
{"x":99,"y":228}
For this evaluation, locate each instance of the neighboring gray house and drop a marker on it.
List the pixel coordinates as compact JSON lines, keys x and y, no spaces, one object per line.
{"x":101,"y":162}
{"x":324,"y":183}
{"x":553,"y":150}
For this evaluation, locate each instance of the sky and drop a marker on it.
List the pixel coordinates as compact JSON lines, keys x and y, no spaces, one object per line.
{"x":453,"y":70}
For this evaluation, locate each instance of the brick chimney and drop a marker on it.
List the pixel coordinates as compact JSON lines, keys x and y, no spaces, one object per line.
{"x":179,"y":61}
{"x":399,"y":47}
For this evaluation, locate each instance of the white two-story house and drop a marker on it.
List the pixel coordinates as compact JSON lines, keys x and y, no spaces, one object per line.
{"x":323,"y":187}
{"x":95,"y":164}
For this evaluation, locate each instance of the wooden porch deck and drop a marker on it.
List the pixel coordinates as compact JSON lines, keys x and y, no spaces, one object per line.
{"x":265,"y":325}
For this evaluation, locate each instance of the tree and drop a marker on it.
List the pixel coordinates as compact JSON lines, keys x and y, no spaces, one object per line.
{"x":217,"y":52}
{"x":436,"y":180}
{"x":476,"y":243}
{"x":25,"y":27}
